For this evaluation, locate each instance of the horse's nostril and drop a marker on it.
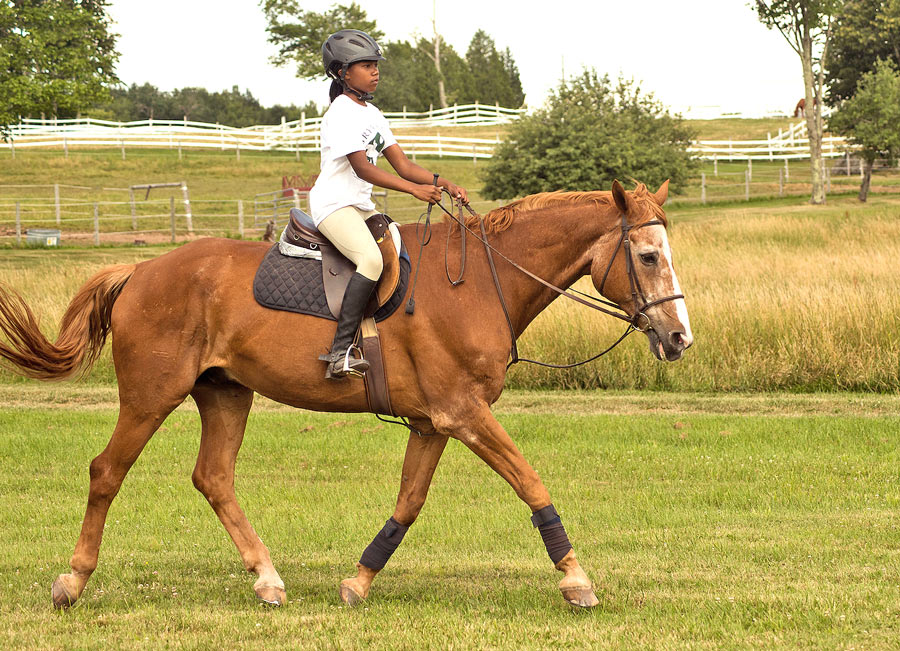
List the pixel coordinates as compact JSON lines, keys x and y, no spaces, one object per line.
{"x":677,"y":339}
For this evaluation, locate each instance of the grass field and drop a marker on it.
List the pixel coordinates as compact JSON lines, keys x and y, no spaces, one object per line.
{"x":705,"y":522}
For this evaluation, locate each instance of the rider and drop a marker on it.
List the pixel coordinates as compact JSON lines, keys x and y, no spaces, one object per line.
{"x":353,"y":134}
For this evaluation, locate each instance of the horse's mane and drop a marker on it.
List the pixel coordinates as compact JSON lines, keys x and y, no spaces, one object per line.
{"x":500,"y":219}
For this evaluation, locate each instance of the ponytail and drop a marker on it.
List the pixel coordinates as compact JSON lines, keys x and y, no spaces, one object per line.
{"x":336,"y":89}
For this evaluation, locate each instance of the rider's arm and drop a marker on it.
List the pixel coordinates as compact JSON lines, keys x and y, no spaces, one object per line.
{"x":417,"y":174}
{"x":377,"y":176}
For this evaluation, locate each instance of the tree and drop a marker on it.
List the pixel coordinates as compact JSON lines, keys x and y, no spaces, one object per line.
{"x":589,"y":134}
{"x":495,"y":77}
{"x":57,"y":57}
{"x":864,"y":32}
{"x":806,"y":26}
{"x":299,"y":34}
{"x":870,"y":119}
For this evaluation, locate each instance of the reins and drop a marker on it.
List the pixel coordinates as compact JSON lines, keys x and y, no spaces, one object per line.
{"x":623,"y":243}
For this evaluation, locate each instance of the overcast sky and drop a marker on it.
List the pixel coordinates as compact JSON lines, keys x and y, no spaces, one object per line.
{"x":699,"y":57}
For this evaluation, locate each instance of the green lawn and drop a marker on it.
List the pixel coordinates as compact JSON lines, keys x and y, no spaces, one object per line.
{"x":705,"y":522}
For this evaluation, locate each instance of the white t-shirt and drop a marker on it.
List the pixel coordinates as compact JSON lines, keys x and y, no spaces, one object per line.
{"x":347,"y":127}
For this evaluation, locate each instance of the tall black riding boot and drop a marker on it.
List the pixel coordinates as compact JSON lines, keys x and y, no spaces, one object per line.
{"x":340,"y":359}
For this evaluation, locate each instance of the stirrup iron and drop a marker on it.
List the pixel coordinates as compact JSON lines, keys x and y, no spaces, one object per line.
{"x":343,"y":365}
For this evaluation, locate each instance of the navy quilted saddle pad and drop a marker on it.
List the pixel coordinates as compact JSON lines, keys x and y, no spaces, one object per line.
{"x":295,"y":285}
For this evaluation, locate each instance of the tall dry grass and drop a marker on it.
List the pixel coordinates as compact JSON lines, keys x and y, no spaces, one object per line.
{"x":788,"y":298}
{"x":795,"y":298}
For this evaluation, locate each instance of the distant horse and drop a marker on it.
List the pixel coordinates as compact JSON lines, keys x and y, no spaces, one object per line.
{"x":186,"y":323}
{"x":800,"y":109}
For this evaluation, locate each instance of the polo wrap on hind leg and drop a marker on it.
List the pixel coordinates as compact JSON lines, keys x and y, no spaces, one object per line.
{"x":384,"y":544}
{"x":553,"y":533}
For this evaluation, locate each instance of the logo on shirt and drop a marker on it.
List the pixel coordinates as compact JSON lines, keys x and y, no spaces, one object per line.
{"x":374,"y":147}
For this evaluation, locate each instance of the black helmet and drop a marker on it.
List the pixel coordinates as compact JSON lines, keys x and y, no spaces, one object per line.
{"x":348,"y":46}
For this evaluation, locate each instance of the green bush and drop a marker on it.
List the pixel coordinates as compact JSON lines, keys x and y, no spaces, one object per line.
{"x":589,"y":134}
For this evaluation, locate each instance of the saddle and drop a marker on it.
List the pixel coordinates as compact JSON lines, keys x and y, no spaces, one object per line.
{"x":305,"y":273}
{"x":301,"y":232}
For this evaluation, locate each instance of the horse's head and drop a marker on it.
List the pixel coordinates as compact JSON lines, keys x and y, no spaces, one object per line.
{"x":634,"y":269}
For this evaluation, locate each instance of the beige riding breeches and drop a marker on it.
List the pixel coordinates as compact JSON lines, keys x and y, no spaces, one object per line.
{"x":346,"y":229}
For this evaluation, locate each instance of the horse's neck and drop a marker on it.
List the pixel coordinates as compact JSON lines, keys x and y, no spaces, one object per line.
{"x":554,"y":247}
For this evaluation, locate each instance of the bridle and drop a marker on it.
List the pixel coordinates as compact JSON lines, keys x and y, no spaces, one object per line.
{"x":637,"y":294}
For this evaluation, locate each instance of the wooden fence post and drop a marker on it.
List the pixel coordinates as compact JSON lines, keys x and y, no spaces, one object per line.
{"x":237,"y":151}
{"x":96,"y":224}
{"x":18,"y":223}
{"x":702,"y":187}
{"x":750,"y":168}
{"x":172,"y":216}
{"x":12,"y":148}
{"x":122,"y":144}
{"x":66,"y":147}
{"x":241,"y":217}
{"x":179,"y":150}
{"x":747,"y":185}
{"x":296,"y":198}
{"x":56,"y":201}
{"x":133,"y":209}
{"x":787,"y":172}
{"x":715,"y":164}
{"x":780,"y":183}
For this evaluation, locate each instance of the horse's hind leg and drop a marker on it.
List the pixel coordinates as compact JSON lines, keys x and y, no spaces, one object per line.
{"x":133,"y":429}
{"x":422,"y":456}
{"x":224,"y":408}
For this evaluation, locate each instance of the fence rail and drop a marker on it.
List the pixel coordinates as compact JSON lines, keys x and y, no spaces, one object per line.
{"x":303,"y":136}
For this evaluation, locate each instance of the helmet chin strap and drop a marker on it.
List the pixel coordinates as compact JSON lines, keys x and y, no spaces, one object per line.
{"x":363,"y":97}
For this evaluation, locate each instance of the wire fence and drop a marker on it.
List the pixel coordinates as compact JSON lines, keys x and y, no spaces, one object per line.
{"x":60,"y":215}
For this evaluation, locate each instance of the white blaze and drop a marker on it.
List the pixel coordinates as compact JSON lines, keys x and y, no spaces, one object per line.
{"x":680,"y":306}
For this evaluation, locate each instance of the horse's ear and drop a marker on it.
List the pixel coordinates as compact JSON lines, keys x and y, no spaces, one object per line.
{"x":662,"y":194}
{"x":620,"y":197}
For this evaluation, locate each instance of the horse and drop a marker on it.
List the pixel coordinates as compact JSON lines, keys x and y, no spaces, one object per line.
{"x":800,"y":109}
{"x":186,"y":323}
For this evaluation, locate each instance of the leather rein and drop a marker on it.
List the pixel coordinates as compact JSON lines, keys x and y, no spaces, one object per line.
{"x":624,"y":244}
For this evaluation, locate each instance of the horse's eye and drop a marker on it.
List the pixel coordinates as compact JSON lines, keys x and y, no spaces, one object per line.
{"x":649,"y":259}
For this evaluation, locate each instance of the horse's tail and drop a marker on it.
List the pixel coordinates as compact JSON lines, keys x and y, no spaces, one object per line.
{"x":82,"y":332}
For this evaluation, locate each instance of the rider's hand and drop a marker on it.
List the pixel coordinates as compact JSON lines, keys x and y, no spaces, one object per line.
{"x":427,"y":193}
{"x":457,"y":192}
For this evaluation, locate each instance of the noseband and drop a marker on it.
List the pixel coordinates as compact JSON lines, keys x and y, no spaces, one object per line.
{"x":637,"y":292}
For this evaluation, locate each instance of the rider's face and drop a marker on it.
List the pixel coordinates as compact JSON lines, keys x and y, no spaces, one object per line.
{"x":363,"y":76}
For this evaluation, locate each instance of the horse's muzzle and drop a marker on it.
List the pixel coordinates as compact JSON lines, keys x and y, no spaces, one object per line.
{"x":671,"y":347}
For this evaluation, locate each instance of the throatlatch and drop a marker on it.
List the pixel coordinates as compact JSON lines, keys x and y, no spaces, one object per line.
{"x":385,"y":543}
{"x":553,"y":533}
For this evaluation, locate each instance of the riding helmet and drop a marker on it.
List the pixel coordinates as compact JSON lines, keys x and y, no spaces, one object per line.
{"x":348,"y":46}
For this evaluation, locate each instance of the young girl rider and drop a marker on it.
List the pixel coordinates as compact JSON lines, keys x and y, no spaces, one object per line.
{"x":354,"y":133}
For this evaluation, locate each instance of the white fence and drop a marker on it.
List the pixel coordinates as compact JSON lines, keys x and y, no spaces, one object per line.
{"x":303,"y":136}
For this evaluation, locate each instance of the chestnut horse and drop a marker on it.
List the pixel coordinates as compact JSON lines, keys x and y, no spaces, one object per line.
{"x":186,"y":324}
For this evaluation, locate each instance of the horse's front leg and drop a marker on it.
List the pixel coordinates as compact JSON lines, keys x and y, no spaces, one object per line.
{"x":422,"y":455}
{"x":482,"y":434}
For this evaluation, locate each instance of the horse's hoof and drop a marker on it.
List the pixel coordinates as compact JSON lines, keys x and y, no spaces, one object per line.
{"x":582,"y":597}
{"x":63,"y":595}
{"x":349,"y":595}
{"x":271,"y":595}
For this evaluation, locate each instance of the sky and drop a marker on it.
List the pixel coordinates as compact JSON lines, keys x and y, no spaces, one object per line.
{"x":701,"y":58}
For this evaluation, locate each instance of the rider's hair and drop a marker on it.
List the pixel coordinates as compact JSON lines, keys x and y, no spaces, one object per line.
{"x":336,"y":90}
